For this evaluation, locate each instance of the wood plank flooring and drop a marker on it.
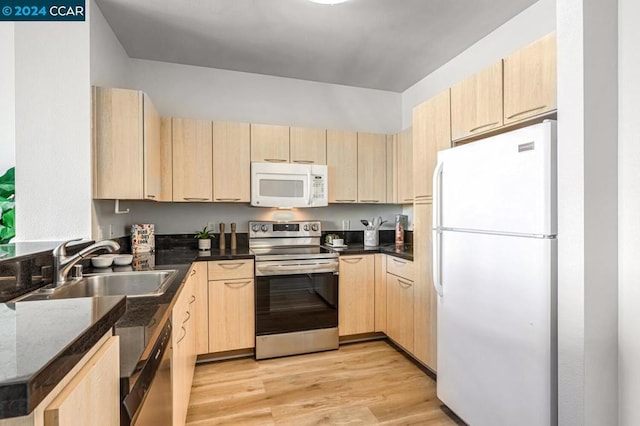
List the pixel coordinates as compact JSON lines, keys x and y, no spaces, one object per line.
{"x":359,"y":384}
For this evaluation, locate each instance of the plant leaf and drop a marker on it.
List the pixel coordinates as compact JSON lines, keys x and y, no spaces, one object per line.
{"x":6,"y":205}
{"x":9,"y":218}
{"x":6,"y":234}
{"x":8,"y":183}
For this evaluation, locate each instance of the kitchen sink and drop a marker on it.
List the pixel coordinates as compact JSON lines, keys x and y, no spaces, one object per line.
{"x":130,"y":284}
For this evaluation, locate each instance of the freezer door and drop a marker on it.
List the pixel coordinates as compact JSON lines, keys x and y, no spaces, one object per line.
{"x":496,"y":329}
{"x":506,"y":183}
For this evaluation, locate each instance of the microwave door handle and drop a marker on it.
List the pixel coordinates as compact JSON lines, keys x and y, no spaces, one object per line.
{"x":309,"y":184}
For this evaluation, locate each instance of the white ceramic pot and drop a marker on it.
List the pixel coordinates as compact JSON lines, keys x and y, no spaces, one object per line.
{"x":204,"y":244}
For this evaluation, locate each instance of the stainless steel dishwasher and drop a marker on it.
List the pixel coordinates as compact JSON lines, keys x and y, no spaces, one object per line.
{"x":150,"y":400}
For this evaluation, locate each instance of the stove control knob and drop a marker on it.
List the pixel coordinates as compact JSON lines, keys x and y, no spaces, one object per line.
{"x":255,"y":227}
{"x":314,"y":227}
{"x":264,"y":228}
{"x":306,"y":227}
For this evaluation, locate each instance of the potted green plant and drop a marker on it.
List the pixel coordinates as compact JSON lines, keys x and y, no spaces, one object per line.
{"x":204,"y":238}
{"x":7,"y":206}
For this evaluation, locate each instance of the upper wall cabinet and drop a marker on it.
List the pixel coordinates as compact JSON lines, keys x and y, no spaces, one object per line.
{"x":405,"y":166}
{"x":231,"y":162}
{"x":530,"y":80}
{"x":166,"y":158}
{"x":342,"y":162}
{"x":431,"y":133}
{"x":372,"y":168}
{"x":269,"y":143}
{"x":126,"y":145}
{"x":476,"y":103}
{"x":192,"y":165}
{"x":308,"y":146}
{"x":392,"y":168}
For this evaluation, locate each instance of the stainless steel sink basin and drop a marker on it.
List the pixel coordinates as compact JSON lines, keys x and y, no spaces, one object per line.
{"x":130,"y":284}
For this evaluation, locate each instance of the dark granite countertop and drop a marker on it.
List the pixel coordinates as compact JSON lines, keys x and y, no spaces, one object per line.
{"x":404,"y":252}
{"x":41,"y":341}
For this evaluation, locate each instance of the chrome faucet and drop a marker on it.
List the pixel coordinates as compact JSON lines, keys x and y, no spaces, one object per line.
{"x":62,"y":263}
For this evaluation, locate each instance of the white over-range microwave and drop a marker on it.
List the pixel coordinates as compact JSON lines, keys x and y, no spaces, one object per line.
{"x":288,"y":185}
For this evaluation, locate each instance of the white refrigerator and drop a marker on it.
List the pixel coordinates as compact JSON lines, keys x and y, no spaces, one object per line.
{"x":495,"y":272}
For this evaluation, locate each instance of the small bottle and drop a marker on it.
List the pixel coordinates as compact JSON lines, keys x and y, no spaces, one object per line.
{"x":221,"y":240}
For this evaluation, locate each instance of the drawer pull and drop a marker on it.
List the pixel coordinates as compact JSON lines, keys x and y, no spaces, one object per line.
{"x":525,"y":112}
{"x":228,"y":199}
{"x":304,"y":161}
{"x":399,"y":261}
{"x":195,"y":199}
{"x":193,"y":272}
{"x":275,"y":160}
{"x":483,"y":126}
{"x":183,"y":335}
{"x":345,"y":201}
{"x":352,"y":260}
{"x":231,"y":265}
{"x":237,"y":284}
{"x":151,"y":196}
{"x":404,"y":283}
{"x":188,"y":317}
{"x":369,"y":201}
{"x":193,"y":299}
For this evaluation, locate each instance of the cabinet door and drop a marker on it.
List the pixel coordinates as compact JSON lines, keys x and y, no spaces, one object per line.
{"x":400,"y":311}
{"x":356,"y":293}
{"x":166,"y":159}
{"x":201,"y":285}
{"x":92,"y":396}
{"x":152,"y":152}
{"x":231,"y":315}
{"x":231,"y":162}
{"x":118,"y":144}
{"x":192,"y":165}
{"x":530,"y":80}
{"x":372,"y":168}
{"x":476,"y":103}
{"x":405,"y":166}
{"x":308,"y":146}
{"x":380,"y":292}
{"x":431,"y":132}
{"x":269,"y":143}
{"x":425,"y":314}
{"x":342,"y":162}
{"x":392,"y":169}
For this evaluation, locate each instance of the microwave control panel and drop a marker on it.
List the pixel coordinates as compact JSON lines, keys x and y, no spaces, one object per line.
{"x":318,"y":187}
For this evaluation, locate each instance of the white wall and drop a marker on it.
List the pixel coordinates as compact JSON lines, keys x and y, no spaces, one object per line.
{"x":526,"y":27}
{"x":629,"y":213}
{"x":53,"y":130}
{"x":7,"y":97}
{"x":109,"y":61}
{"x":587,"y":212}
{"x":179,"y":218}
{"x":197,"y":92}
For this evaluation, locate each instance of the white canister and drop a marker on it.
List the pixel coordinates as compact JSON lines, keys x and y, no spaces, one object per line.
{"x":370,"y":238}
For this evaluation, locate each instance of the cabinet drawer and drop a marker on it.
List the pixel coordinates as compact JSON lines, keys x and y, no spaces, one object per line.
{"x":400,"y":267}
{"x":230,"y":269}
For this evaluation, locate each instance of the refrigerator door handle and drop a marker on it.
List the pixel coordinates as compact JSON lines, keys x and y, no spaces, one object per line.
{"x":437,"y":261}
{"x":437,"y":196}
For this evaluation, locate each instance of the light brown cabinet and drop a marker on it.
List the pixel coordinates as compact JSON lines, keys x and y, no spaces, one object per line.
{"x":92,"y":395}
{"x":405,"y":166}
{"x":342,"y":164}
{"x":380,"y":290}
{"x":476,"y":103}
{"x":400,"y":311}
{"x":431,"y":133}
{"x":231,"y":305}
{"x":372,"y":168}
{"x":231,"y":162}
{"x":126,"y":145}
{"x":183,"y":354}
{"x":198,"y":275}
{"x":530,"y":78}
{"x":269,"y":143}
{"x":192,"y":165}
{"x":308,"y":146}
{"x":425,"y":307}
{"x":392,"y":168}
{"x":166,"y":159}
{"x":356,"y":295}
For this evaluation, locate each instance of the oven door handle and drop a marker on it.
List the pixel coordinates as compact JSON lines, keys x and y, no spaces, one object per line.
{"x":298,"y":266}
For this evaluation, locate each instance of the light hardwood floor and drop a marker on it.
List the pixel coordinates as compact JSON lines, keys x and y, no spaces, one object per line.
{"x":359,"y":384}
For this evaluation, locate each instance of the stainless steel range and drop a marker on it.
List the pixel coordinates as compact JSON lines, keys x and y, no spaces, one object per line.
{"x":296,"y":289}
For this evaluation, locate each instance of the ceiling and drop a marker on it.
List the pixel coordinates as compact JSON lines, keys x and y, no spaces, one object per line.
{"x":378,"y":44}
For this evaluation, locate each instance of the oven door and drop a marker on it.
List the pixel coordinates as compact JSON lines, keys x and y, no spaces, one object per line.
{"x":296,"y":302}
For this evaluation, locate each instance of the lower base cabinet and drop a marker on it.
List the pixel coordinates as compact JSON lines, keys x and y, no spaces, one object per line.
{"x":400,"y":311}
{"x":356,"y":295}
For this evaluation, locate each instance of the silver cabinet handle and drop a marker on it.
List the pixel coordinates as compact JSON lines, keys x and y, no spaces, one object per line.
{"x":526,"y":111}
{"x":188,"y":317}
{"x":369,"y":201}
{"x":151,"y":196}
{"x":227,"y":199}
{"x":237,"y":284}
{"x":304,"y":161}
{"x":404,"y":283}
{"x":193,"y":272}
{"x":275,"y":160}
{"x":183,"y":335}
{"x":195,"y":199}
{"x":231,"y":265}
{"x":408,"y":199}
{"x":483,"y":126}
{"x":345,"y":201}
{"x":352,"y":259}
{"x":398,"y":261}
{"x":193,"y":299}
